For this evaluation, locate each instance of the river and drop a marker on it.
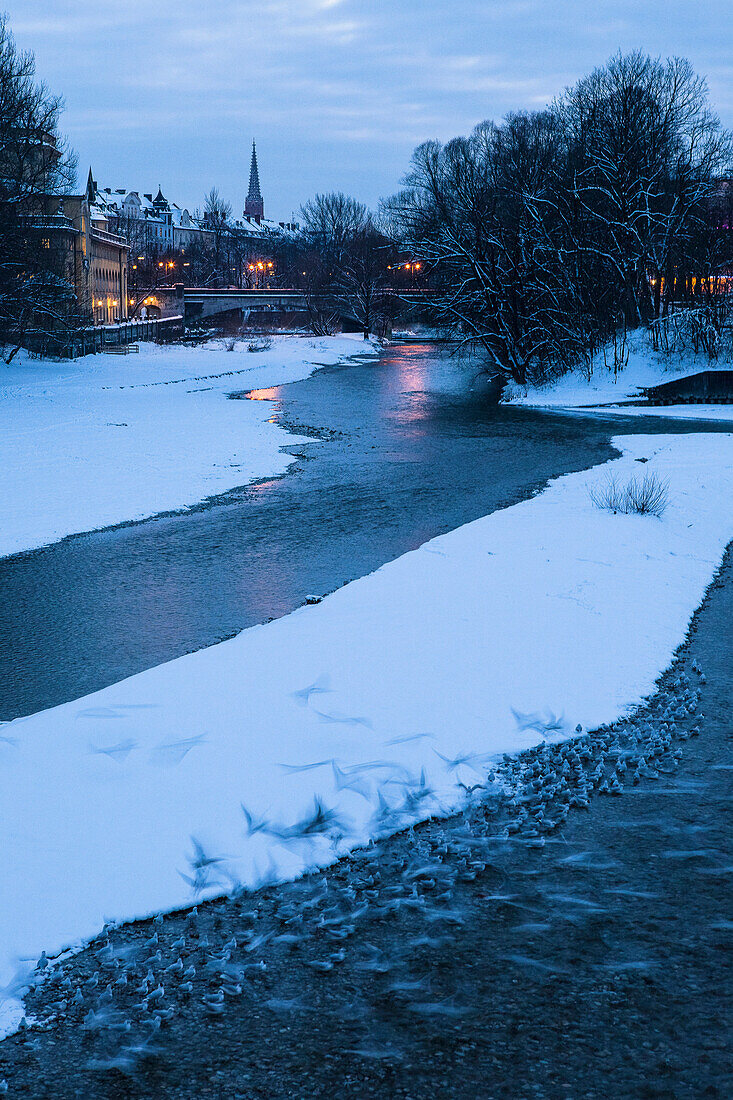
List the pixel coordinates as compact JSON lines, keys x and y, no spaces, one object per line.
{"x":409,"y":448}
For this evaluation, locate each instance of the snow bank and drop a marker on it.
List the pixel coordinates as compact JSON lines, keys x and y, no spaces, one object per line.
{"x":108,"y":438}
{"x":645,"y":368}
{"x":549,"y":606}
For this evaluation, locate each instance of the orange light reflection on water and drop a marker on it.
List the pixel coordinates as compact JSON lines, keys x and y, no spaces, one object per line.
{"x":411,"y":377}
{"x":271,"y":394}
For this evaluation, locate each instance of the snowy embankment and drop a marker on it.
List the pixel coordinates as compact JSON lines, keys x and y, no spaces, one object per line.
{"x":96,"y":441}
{"x":644,"y":368}
{"x":377,"y":702}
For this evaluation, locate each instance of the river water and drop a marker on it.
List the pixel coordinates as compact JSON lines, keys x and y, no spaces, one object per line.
{"x":409,"y":448}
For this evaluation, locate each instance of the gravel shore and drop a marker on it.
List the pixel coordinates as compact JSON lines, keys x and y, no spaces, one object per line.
{"x":569,"y":938}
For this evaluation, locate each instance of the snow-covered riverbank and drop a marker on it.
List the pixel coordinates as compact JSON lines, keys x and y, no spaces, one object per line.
{"x":357,"y":715}
{"x":104,"y":439}
{"x":603,"y":387}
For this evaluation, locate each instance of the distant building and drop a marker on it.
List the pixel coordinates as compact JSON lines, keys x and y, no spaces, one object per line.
{"x":255,"y":223}
{"x":166,"y":242}
{"x":152,"y":225}
{"x":254,"y":204}
{"x":91,"y":258}
{"x":108,"y":261}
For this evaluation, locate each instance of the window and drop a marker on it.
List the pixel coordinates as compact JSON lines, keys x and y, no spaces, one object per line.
{"x":45,"y":242}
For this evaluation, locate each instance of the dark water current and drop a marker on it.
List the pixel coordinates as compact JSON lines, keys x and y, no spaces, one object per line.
{"x":410,"y":449}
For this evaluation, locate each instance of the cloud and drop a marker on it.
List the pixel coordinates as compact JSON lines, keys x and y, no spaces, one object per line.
{"x":337,"y":92}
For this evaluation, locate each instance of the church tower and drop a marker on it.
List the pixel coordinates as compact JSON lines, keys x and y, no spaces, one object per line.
{"x":254,"y":206}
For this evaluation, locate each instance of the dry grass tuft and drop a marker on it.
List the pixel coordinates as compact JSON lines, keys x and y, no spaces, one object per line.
{"x":646,"y":496}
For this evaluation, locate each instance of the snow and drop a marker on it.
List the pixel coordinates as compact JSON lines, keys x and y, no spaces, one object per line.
{"x":644,"y":368}
{"x":105,"y":439}
{"x":552,"y":606}
{"x":723,"y":413}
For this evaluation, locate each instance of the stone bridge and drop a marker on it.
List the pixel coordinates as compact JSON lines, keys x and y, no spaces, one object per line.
{"x":199,"y":303}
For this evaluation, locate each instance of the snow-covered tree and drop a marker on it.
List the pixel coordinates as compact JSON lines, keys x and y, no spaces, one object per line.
{"x":547,"y":233}
{"x":644,"y":151}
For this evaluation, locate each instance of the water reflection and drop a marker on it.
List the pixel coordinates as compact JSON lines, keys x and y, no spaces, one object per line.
{"x":415,"y":453}
{"x":271,"y":394}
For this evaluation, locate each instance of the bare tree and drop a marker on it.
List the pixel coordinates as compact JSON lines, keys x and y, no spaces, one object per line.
{"x":644,"y":151}
{"x":343,"y":253}
{"x":34,"y":164}
{"x":217,"y":218}
{"x":547,"y":234}
{"x":482,"y":213}
{"x":359,"y":281}
{"x":331,"y":221}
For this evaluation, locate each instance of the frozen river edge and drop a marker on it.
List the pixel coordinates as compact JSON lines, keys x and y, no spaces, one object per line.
{"x":506,"y":951}
{"x":103,"y":440}
{"x":172,"y":753}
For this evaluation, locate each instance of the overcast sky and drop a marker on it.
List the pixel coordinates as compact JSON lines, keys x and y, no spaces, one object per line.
{"x":336,"y":92}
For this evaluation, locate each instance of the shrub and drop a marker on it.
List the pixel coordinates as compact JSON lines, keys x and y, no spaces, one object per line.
{"x":646,"y":496}
{"x":263,"y":344}
{"x":705,"y":329}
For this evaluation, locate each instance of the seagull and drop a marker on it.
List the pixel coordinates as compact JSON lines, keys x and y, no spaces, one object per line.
{"x":344,"y":719}
{"x":306,"y":767}
{"x":348,"y":781}
{"x":467,"y":758}
{"x":318,"y":687}
{"x":542,"y":724}
{"x":411,"y":737}
{"x":117,"y":752}
{"x":253,"y":825}
{"x":173,"y":752}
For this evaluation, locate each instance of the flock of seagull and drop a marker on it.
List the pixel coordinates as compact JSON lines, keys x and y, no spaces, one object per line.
{"x":134,"y":979}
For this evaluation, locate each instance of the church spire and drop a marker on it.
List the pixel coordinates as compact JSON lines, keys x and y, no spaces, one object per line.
{"x":254,"y":206}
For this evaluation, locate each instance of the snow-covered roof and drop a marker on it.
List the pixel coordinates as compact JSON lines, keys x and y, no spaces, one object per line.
{"x":114,"y":202}
{"x":98,"y":213}
{"x":267,"y":228}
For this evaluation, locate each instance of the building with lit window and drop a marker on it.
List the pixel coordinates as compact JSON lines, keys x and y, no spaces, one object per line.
{"x":108,"y":271}
{"x":88,"y":255}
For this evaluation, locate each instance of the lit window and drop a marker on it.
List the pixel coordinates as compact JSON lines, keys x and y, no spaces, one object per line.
{"x":45,"y":242}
